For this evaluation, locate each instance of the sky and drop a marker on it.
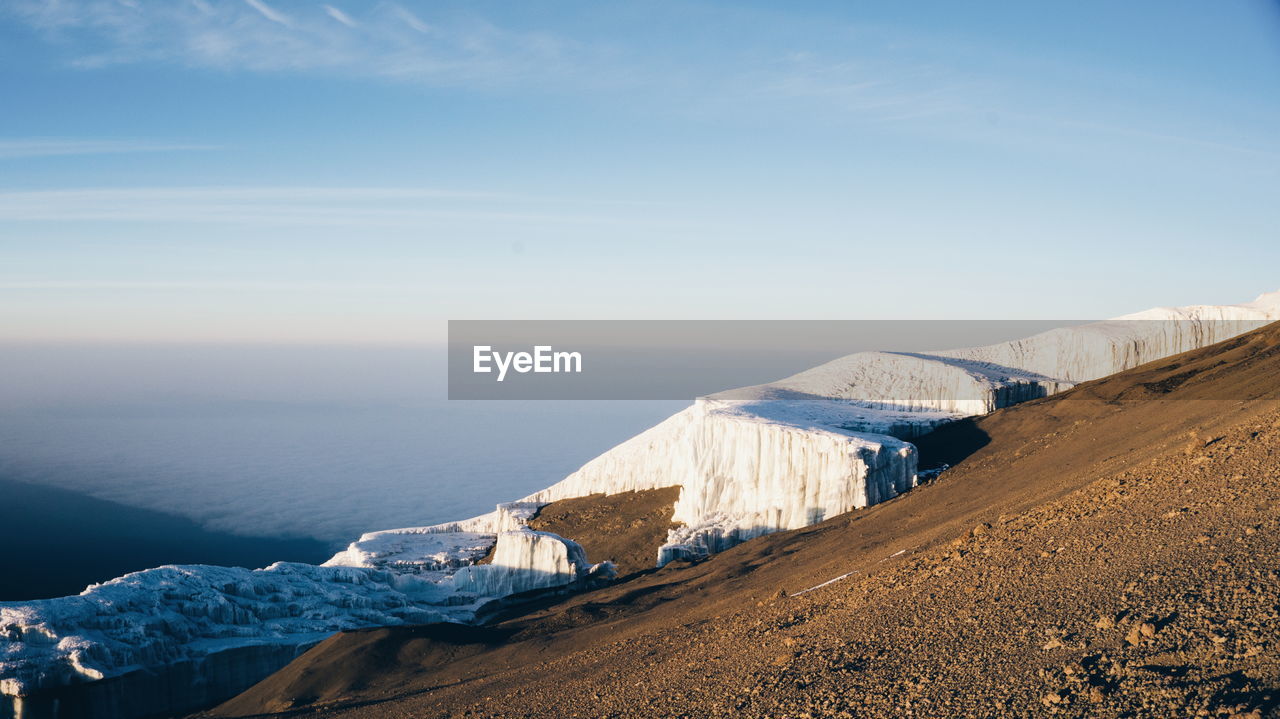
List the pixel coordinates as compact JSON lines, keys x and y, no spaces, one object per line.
{"x":361,"y":172}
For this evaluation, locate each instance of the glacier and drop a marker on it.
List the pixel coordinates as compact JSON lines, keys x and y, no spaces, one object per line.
{"x":749,"y":461}
{"x":830,"y":439}
{"x":172,"y":621}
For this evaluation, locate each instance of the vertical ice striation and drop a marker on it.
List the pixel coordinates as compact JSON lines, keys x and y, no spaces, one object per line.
{"x":178,"y":619}
{"x":177,"y":613}
{"x":745,"y":473}
{"x":435,"y":548}
{"x":524,"y":560}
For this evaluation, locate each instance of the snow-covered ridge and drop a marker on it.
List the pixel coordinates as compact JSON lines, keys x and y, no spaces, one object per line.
{"x":776,"y":456}
{"x":822,"y":442}
{"x":977,"y":380}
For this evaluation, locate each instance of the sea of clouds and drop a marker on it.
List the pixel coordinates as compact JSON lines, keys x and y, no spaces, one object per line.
{"x":322,"y":442}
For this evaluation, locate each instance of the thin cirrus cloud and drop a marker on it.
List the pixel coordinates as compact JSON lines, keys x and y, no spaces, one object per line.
{"x":383,"y":40}
{"x":911,"y":90}
{"x":388,"y":40}
{"x":340,"y":16}
{"x":292,"y":206}
{"x":266,"y":11}
{"x":877,"y":91}
{"x":55,"y":147}
{"x":206,"y":285}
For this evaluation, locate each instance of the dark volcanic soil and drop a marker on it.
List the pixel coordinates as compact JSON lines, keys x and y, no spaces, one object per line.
{"x":1108,"y":552}
{"x":626,"y":528}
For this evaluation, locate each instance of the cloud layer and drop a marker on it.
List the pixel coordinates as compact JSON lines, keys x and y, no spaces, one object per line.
{"x":296,"y":206}
{"x":382,"y":39}
{"x":54,"y":147}
{"x":445,"y":46}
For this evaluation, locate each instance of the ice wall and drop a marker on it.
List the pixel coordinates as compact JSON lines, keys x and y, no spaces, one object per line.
{"x":169,"y":614}
{"x":438,"y":547}
{"x":173,"y":690}
{"x":170,"y":620}
{"x":744,"y":473}
{"x":524,"y":560}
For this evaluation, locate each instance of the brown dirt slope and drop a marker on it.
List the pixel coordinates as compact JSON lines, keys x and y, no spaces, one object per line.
{"x":626,"y":528}
{"x":1107,"y":552}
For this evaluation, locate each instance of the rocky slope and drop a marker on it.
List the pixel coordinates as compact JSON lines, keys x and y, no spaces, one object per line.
{"x":1106,"y":552}
{"x":625,"y":528}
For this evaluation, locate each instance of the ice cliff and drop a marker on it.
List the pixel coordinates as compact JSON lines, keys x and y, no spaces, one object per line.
{"x":759,"y":459}
{"x":747,"y":469}
{"x":822,"y":442}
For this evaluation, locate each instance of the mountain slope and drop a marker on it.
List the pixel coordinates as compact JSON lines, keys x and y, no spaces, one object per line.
{"x":743,"y":467}
{"x":1104,"y":551}
{"x":790,"y":453}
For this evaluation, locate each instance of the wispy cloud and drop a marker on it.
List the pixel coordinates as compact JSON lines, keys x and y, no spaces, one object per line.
{"x":860,"y":88}
{"x":413,"y":21}
{"x":382,"y":39}
{"x":293,"y":206}
{"x":340,"y":16}
{"x":266,"y":11}
{"x":389,"y":40}
{"x":446,"y":47}
{"x":201,"y":285}
{"x":52,"y":147}
{"x":1217,"y":147}
{"x":883,"y":75}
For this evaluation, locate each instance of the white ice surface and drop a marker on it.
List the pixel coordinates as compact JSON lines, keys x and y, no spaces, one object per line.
{"x":746,"y":470}
{"x":167,"y":615}
{"x":524,"y":560}
{"x":977,"y":380}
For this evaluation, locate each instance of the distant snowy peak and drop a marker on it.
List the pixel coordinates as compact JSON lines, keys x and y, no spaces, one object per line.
{"x":1265,"y":307}
{"x":977,"y":380}
{"x":907,"y":382}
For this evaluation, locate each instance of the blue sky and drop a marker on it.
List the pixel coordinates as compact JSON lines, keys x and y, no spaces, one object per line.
{"x":263,"y":170}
